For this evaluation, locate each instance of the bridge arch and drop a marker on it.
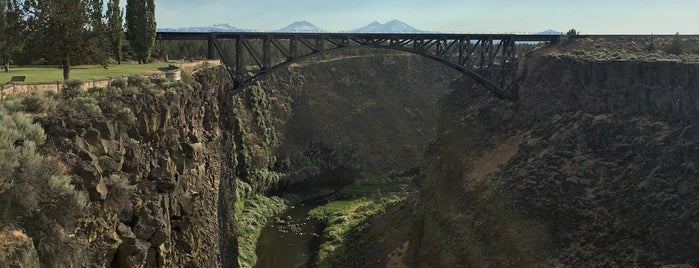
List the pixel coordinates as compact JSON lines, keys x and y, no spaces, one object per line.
{"x":488,"y":59}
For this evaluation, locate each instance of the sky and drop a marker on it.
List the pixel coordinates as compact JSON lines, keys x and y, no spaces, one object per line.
{"x":458,"y":16}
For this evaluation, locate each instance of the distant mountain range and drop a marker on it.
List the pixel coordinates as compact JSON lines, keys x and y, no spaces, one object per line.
{"x":393,"y":26}
{"x":223,"y":27}
{"x":550,"y":32}
{"x":301,"y":27}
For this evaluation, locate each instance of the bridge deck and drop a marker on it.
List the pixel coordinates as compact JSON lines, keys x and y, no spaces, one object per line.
{"x":489,"y":59}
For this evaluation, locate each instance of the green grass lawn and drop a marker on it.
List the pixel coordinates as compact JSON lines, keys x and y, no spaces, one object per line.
{"x":35,"y":74}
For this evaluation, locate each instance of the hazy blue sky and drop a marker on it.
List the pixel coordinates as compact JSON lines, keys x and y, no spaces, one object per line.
{"x":590,"y":16}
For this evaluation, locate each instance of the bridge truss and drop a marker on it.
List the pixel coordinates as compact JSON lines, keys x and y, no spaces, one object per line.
{"x":488,"y":59}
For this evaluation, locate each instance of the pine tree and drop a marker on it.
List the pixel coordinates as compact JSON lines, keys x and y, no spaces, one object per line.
{"x":115,"y":28}
{"x":140,"y":24}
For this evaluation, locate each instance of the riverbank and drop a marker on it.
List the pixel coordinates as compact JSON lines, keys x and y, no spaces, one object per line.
{"x":321,"y":231}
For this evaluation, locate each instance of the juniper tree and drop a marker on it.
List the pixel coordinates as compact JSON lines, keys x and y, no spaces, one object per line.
{"x":62,"y":32}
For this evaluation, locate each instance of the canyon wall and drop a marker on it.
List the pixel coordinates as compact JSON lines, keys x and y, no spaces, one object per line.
{"x":595,"y":165}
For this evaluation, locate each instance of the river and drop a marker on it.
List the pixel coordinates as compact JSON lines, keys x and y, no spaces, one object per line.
{"x":290,"y":240}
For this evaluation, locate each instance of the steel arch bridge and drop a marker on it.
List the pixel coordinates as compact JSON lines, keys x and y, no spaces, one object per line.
{"x":489,"y":59}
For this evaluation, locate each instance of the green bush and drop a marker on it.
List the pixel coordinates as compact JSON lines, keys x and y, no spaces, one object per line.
{"x":38,"y":103}
{"x":119,"y":193}
{"x":118,"y":83}
{"x":13,"y":105}
{"x":32,"y":196}
{"x":187,"y":78}
{"x":139,"y":82}
{"x":71,"y":89}
{"x":124,"y":115}
{"x":82,"y":107}
{"x":160,"y":81}
{"x":205,"y":76}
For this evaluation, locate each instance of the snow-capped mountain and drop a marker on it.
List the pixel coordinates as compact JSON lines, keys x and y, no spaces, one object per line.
{"x":550,"y":32}
{"x":222,"y":27}
{"x":301,"y":27}
{"x":394,"y":26}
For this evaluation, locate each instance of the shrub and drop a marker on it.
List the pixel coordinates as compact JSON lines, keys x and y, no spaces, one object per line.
{"x":205,"y":76}
{"x":96,"y":91}
{"x":13,"y":105}
{"x":38,"y":103}
{"x":125,"y":116}
{"x":160,"y":81}
{"x":82,"y":107}
{"x":651,"y":46}
{"x":140,"y":82}
{"x":187,"y":78}
{"x":118,"y":83}
{"x":119,"y":193}
{"x":71,"y":88}
{"x":32,"y":196}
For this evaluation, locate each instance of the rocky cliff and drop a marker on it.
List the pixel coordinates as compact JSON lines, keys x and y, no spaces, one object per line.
{"x":375,"y":112}
{"x":593,"y":166}
{"x":165,"y":165}
{"x":153,"y":166}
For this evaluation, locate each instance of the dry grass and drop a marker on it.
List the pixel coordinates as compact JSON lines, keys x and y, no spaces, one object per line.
{"x":10,"y":239}
{"x":627,"y":48}
{"x":60,"y":166}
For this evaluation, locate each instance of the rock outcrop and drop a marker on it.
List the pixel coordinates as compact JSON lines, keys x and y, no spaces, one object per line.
{"x":153,"y":182}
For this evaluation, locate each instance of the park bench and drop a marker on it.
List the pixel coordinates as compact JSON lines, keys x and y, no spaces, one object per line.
{"x":19,"y":78}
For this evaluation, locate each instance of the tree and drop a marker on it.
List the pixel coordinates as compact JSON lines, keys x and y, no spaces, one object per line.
{"x":140,"y":24}
{"x":115,"y":28}
{"x":97,"y":34}
{"x":59,"y":33}
{"x":11,"y":30}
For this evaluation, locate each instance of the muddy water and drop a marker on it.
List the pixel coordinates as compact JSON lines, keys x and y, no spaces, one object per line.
{"x":289,"y":240}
